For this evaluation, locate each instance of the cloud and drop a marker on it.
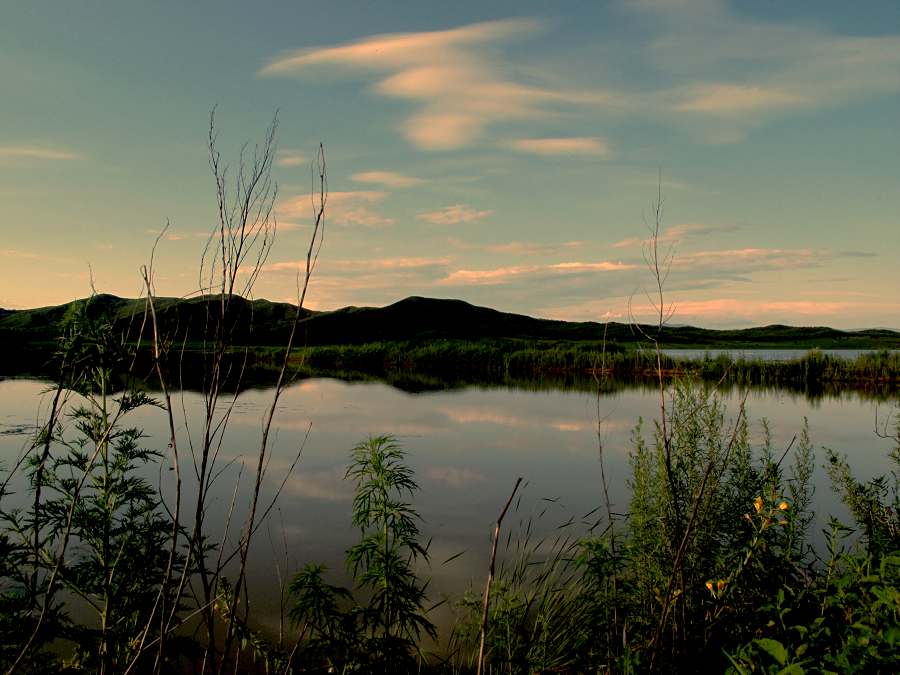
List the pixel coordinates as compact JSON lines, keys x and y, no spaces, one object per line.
{"x":451,"y":215}
{"x":455,"y":477}
{"x":520,"y":248}
{"x":328,"y":486}
{"x":503,"y":275}
{"x":26,"y":152}
{"x":290,"y":158}
{"x":574,"y":145}
{"x":729,"y":99}
{"x":360,"y":266}
{"x":458,"y":88}
{"x":342,"y":208}
{"x":770,"y":68}
{"x":744,"y":311}
{"x":745,"y":260}
{"x":174,"y":235}
{"x":677,"y":233}
{"x":389,"y":179}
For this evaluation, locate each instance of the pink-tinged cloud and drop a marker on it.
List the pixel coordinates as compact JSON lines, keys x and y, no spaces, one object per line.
{"x":290,"y":158}
{"x":729,"y":99}
{"x":25,"y":152}
{"x":342,"y":208}
{"x":575,"y":145}
{"x":396,"y":50}
{"x":503,"y":275}
{"x":460,"y":90}
{"x":605,"y":266}
{"x":750,"y":259}
{"x":730,"y":310}
{"x":389,"y":179}
{"x":451,"y":215}
{"x":677,"y":233}
{"x":498,"y":275}
{"x":326,"y":266}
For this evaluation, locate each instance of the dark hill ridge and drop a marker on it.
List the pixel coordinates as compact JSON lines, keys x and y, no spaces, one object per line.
{"x":264,"y":323}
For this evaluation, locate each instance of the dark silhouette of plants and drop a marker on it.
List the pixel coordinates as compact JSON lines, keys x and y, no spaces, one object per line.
{"x":95,"y":530}
{"x":383,"y":633}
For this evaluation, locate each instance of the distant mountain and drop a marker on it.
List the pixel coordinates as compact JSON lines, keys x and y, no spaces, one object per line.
{"x":264,"y":323}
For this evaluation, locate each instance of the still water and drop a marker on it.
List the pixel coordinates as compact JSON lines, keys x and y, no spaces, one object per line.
{"x":467,"y":447}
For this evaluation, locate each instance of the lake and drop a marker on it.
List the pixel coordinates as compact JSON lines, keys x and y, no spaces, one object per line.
{"x":467,"y":447}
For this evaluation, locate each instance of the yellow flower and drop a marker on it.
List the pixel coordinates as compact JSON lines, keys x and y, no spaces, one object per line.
{"x":709,"y":585}
{"x":784,"y":506}
{"x":721,"y":585}
{"x":758,"y":504}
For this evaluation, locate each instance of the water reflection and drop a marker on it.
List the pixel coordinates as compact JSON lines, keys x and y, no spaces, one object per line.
{"x":467,"y":444}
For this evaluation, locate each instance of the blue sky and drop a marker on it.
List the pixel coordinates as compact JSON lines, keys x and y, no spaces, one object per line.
{"x":504,"y":154}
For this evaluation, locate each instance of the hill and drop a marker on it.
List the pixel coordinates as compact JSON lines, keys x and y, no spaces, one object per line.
{"x":414,"y":319}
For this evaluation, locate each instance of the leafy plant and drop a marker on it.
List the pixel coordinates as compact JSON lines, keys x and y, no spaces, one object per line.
{"x":96,"y":529}
{"x":383,"y":633}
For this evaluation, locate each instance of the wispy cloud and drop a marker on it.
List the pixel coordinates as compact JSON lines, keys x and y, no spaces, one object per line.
{"x":728,"y":99}
{"x":775,"y":68}
{"x":389,"y":179}
{"x":290,"y":158}
{"x":343,"y":208}
{"x":679,"y":232}
{"x":36,"y":152}
{"x":749,"y":311}
{"x":573,"y":145}
{"x":745,"y":260}
{"x":459,"y":88}
{"x":328,"y":486}
{"x":175,"y":235}
{"x":367,"y":265}
{"x":517,"y":248}
{"x":451,"y":215}
{"x":506,"y":274}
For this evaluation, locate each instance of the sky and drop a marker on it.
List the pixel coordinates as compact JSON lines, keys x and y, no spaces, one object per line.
{"x":505,"y":153}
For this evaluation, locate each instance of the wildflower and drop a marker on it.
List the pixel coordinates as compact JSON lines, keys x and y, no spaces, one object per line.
{"x":758,"y":504}
{"x":720,"y":585}
{"x":709,"y":585}
{"x":784,"y":506}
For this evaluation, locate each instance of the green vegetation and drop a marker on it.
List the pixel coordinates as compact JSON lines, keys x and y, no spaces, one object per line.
{"x":94,"y":533}
{"x":491,"y":360}
{"x":418,"y":322}
{"x":455,"y":342}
